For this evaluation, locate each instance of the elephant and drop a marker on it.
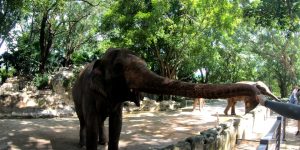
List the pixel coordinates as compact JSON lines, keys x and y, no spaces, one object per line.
{"x":250,"y":104}
{"x":118,"y":76}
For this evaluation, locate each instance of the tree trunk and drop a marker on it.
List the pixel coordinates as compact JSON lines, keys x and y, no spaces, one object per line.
{"x":45,"y":42}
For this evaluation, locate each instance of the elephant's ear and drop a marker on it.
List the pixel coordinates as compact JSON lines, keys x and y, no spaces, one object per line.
{"x":98,"y":68}
{"x":261,"y":89}
{"x":97,"y":76}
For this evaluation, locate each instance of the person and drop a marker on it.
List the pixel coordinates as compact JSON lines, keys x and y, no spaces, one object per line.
{"x":199,"y":101}
{"x":293,"y":99}
{"x":285,"y":109}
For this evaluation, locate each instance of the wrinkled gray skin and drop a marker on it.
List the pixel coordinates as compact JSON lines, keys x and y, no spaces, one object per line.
{"x":119,"y":76}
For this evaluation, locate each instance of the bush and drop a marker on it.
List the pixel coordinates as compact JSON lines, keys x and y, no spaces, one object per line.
{"x":6,"y":74}
{"x":41,"y":81}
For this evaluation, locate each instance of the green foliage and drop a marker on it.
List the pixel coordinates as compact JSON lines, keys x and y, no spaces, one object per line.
{"x":4,"y":74}
{"x":10,"y":12}
{"x":41,"y":81}
{"x":24,"y":57}
{"x":168,"y":33}
{"x":279,"y":14}
{"x":232,"y":40}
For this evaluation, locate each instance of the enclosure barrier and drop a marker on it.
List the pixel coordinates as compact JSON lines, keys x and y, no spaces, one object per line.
{"x":226,"y":135}
{"x":273,"y":138}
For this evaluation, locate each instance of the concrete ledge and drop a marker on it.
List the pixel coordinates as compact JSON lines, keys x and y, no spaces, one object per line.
{"x":224,"y":136}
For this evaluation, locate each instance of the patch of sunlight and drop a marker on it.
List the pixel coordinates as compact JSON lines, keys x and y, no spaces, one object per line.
{"x":148,"y":114}
{"x":25,"y":122}
{"x":175,"y":115}
{"x":138,"y":125}
{"x":123,"y":143}
{"x":137,"y":120}
{"x":58,"y":130}
{"x":156,"y":132}
{"x":10,"y":145}
{"x":139,"y":139}
{"x":127,"y":132}
{"x":25,"y":129}
{"x":38,"y":143}
{"x":158,"y":135}
{"x":181,"y":129}
{"x":11,"y":134}
{"x":34,"y":139}
{"x":291,"y":129}
{"x":3,"y":138}
{"x":152,"y":142}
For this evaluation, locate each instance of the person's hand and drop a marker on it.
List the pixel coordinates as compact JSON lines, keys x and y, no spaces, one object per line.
{"x":261,"y":99}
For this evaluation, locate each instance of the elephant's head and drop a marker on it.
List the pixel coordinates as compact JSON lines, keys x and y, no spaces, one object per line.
{"x":108,"y":74}
{"x":250,"y":104}
{"x":124,"y":75}
{"x":263,"y":88}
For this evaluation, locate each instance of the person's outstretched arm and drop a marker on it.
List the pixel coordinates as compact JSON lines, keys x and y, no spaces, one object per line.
{"x":284,"y":109}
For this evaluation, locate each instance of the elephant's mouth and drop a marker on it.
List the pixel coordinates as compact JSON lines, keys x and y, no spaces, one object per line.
{"x":135,"y":96}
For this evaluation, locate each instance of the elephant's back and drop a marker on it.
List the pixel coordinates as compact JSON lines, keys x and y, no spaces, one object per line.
{"x":81,"y":83}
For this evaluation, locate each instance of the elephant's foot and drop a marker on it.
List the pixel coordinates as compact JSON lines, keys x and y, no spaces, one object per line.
{"x":102,"y":142}
{"x":81,"y":145}
{"x":225,"y":112}
{"x":233,"y":114}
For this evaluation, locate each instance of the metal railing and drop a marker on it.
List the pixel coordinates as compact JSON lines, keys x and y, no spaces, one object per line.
{"x":273,"y":138}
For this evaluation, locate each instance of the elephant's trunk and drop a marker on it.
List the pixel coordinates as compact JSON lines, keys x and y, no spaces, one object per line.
{"x":140,"y":78}
{"x":272,"y":96}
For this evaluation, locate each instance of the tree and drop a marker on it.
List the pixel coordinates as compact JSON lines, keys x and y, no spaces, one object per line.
{"x":51,"y":31}
{"x":167,"y":33}
{"x":10,"y":12}
{"x":275,"y":38}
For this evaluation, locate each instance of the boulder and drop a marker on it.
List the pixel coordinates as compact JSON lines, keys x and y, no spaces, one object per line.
{"x":61,"y":84}
{"x":168,"y":105}
{"x":149,"y":105}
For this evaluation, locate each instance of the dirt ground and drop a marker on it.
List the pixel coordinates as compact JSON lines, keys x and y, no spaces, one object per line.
{"x":140,"y":131}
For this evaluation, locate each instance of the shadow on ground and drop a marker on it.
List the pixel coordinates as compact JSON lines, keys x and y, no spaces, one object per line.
{"x":142,"y":130}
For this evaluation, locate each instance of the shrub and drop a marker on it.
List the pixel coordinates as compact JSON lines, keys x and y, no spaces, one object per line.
{"x":6,"y":74}
{"x":41,"y":81}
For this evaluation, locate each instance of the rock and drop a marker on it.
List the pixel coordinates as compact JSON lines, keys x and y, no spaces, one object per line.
{"x":61,"y":84}
{"x":149,"y":105}
{"x":181,"y":145}
{"x":130,"y":107}
{"x":13,"y":84}
{"x":196,"y":142}
{"x":168,"y":105}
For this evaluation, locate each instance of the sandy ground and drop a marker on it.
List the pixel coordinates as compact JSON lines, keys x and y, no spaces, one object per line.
{"x":291,"y":141}
{"x":141,"y":131}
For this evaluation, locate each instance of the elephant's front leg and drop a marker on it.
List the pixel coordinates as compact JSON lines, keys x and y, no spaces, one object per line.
{"x":82,"y":132}
{"x":115,"y":126}
{"x":102,"y":133}
{"x":91,"y":131}
{"x":228,"y":106}
{"x":233,"y":107}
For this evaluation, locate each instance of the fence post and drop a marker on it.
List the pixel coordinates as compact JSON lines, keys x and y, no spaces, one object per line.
{"x":283,"y":128}
{"x":274,"y":135}
{"x":278,"y":134}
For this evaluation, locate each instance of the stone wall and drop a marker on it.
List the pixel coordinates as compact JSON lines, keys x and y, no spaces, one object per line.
{"x":20,"y":98}
{"x":152,"y":106}
{"x":224,"y":136}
